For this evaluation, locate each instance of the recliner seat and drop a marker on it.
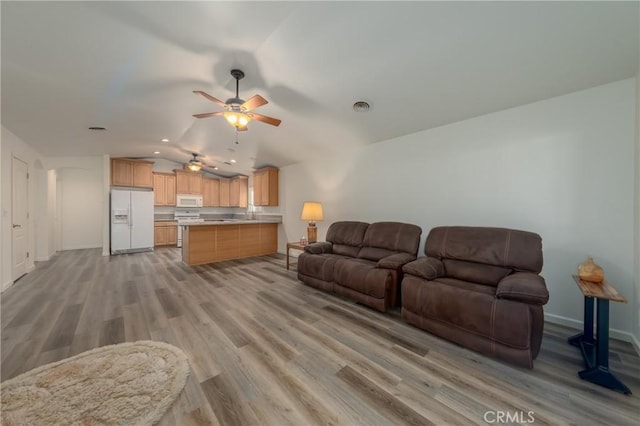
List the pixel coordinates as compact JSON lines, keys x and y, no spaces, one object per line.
{"x":361,"y":261}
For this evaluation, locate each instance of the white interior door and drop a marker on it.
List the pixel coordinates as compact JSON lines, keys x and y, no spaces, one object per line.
{"x":19,"y":217}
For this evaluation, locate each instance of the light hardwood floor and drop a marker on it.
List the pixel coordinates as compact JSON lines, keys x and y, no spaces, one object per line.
{"x":266,"y":349}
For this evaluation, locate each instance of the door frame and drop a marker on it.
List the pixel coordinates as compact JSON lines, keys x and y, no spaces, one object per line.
{"x":26,"y":230}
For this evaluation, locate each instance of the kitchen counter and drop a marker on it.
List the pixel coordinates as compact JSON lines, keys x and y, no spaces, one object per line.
{"x":233,"y":222}
{"x":227,"y":239}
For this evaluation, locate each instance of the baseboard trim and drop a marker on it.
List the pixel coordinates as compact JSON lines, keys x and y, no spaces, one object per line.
{"x":82,"y":247}
{"x":105,"y":253}
{"x":578,"y":325}
{"x":43,"y":259}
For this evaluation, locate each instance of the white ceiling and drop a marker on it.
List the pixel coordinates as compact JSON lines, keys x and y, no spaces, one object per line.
{"x":131,"y":67}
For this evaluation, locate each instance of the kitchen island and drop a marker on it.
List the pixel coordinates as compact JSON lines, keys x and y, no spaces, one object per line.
{"x":219,"y":240}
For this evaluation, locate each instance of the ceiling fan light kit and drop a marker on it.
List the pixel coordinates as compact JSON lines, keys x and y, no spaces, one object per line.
{"x":238,"y":111}
{"x":194,"y":164}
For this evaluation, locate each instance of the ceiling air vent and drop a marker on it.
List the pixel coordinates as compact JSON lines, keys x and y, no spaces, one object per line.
{"x":361,"y":106}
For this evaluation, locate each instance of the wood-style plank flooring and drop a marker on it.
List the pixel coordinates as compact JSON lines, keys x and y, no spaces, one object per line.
{"x":266,"y":349}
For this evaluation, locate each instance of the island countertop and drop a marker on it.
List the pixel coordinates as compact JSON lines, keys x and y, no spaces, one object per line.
{"x":209,"y":222}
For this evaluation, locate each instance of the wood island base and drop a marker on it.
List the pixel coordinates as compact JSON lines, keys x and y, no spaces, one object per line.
{"x":216,"y":243}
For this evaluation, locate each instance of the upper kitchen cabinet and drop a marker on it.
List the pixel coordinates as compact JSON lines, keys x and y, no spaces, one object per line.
{"x":131,"y":173}
{"x":188,"y":182}
{"x":225,"y":193}
{"x":164,"y":189}
{"x":239,"y":191}
{"x":210,"y":192}
{"x":265,"y":187}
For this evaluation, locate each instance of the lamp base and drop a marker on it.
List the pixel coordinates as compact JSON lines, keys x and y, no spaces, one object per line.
{"x":312,"y":234}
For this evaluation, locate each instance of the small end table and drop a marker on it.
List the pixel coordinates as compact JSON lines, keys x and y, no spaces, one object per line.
{"x":295,"y":246}
{"x":595,"y":351}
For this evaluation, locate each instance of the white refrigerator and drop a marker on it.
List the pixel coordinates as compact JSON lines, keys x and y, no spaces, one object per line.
{"x":131,"y":221}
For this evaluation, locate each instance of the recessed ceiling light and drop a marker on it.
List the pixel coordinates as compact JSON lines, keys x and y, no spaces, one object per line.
{"x":165,"y":140}
{"x":361,"y":106}
{"x":156,"y":152}
{"x":97,"y":128}
{"x":215,"y":168}
{"x":233,"y":161}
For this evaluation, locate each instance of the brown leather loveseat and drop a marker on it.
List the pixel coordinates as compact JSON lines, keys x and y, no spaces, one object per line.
{"x":480,"y":288}
{"x":361,"y":261}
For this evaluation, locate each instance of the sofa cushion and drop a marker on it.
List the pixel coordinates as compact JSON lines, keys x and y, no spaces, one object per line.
{"x":320,"y":266}
{"x":428,"y":268}
{"x":318,"y":248}
{"x":347,"y":233}
{"x":474,"y":272}
{"x":477,"y":312}
{"x":383,"y":239}
{"x":518,"y":250}
{"x":395,"y":261}
{"x":364,"y":277}
{"x":466,"y":285}
{"x":524,"y":287}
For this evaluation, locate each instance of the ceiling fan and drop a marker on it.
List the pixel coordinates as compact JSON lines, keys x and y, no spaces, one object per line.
{"x":238,"y":111}
{"x":196,"y":164}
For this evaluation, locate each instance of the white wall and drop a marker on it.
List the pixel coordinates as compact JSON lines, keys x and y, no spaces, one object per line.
{"x":563,"y":168}
{"x":80,"y":201}
{"x":13,"y":146}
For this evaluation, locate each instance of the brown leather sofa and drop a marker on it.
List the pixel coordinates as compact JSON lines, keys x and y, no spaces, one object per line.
{"x":361,"y":261}
{"x":479,"y":287}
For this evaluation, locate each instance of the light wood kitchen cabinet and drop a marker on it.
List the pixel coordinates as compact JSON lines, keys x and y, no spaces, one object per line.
{"x":188,"y":182}
{"x":225,"y":192}
{"x":143,"y":175}
{"x":265,"y":187}
{"x":164,"y":189}
{"x":210,"y":192}
{"x":131,"y":173}
{"x":165,"y":233}
{"x":239,"y":191}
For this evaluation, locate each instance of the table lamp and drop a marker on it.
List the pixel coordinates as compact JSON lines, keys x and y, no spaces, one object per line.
{"x":312,"y":211}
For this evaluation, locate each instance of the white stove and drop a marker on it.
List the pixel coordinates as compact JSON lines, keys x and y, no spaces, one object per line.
{"x":186,"y":217}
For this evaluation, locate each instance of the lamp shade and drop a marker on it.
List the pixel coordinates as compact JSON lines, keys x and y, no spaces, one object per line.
{"x":311,"y":211}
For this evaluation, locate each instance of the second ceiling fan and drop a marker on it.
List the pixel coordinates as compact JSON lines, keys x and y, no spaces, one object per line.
{"x":238,"y":111}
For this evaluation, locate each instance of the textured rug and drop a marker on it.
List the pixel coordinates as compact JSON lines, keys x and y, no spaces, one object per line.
{"x":129,"y":383}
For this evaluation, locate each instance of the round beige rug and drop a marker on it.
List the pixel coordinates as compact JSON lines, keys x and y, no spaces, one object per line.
{"x":129,"y":383}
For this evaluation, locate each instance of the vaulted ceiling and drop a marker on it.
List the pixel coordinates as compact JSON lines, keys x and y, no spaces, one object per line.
{"x":131,"y":67}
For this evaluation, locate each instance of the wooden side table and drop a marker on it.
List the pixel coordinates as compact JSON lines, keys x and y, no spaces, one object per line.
{"x":295,"y":246}
{"x":595,"y":351}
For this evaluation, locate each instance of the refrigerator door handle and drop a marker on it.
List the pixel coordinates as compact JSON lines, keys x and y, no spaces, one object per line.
{"x":130,"y":217}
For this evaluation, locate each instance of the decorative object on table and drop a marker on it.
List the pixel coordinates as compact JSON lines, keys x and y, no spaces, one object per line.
{"x":128,"y":383}
{"x":589,"y":271}
{"x":312,"y":211}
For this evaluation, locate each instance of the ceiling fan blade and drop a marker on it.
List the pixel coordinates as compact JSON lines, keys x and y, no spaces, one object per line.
{"x":254,"y":102}
{"x":208,"y":114}
{"x":242,"y":129}
{"x":209,"y":97}
{"x":265,"y":119}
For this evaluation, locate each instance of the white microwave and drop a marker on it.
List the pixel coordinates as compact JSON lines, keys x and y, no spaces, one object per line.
{"x":189,"y":201}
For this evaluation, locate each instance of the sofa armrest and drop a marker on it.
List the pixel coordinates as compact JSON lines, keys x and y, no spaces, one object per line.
{"x":395,"y":261}
{"x":525,"y":287}
{"x":428,"y":268}
{"x":319,"y":248}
